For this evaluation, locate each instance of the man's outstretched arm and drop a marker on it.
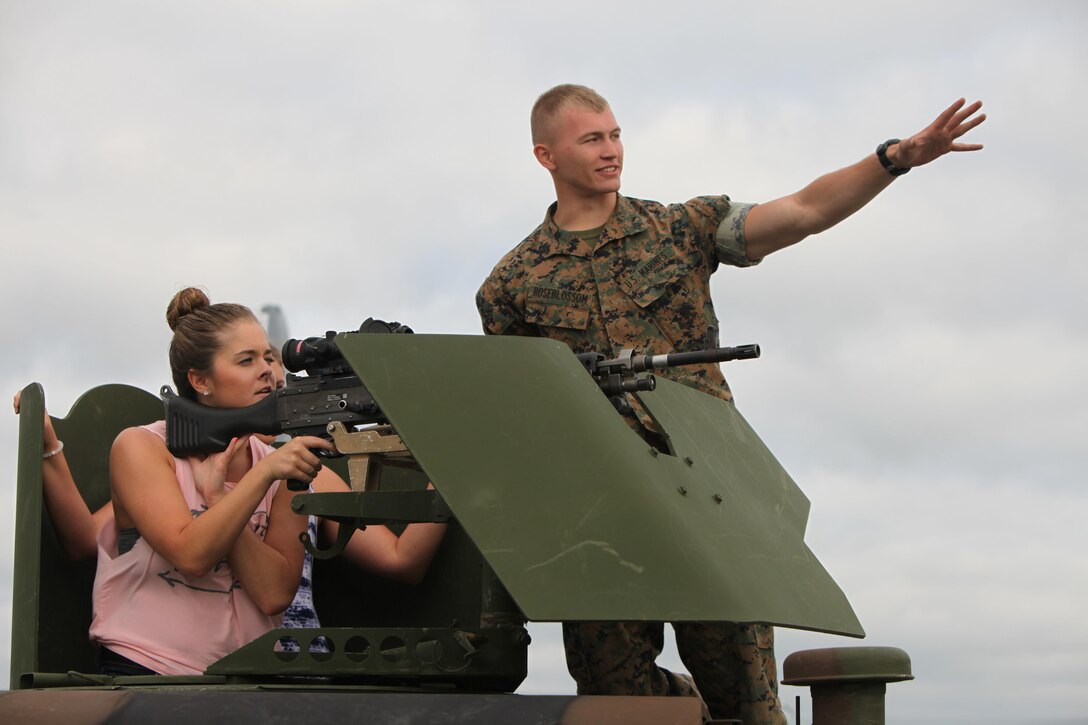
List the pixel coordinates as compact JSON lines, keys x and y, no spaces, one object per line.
{"x":833,"y":197}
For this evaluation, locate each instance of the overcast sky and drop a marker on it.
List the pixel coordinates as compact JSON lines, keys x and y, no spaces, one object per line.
{"x":923,"y":363}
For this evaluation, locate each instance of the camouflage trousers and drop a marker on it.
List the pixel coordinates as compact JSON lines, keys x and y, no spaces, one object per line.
{"x":732,"y":665}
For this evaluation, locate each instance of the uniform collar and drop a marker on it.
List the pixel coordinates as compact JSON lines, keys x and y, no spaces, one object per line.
{"x":624,"y":221}
{"x":553,"y":240}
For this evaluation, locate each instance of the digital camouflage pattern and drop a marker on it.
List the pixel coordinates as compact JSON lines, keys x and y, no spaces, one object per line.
{"x":619,"y":658}
{"x":642,"y":283}
{"x":735,"y":667}
{"x":733,"y":664}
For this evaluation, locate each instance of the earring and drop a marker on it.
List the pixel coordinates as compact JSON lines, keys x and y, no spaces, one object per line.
{"x":206,"y":393}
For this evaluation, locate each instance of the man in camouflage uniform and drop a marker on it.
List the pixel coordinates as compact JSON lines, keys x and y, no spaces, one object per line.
{"x":605,"y":272}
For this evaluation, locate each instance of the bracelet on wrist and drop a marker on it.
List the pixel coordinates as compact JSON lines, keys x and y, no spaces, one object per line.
{"x":55,"y":451}
{"x":882,"y":157}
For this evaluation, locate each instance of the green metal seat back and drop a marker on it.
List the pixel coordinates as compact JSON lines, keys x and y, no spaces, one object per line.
{"x":51,"y":607}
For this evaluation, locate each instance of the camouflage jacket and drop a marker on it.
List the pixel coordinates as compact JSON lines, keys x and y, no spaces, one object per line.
{"x":644,"y":283}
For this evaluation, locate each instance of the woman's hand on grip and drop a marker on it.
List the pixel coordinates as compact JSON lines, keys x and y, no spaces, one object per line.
{"x":295,"y":460}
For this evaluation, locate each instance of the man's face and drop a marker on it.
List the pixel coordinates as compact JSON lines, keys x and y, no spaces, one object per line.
{"x":585,"y":154}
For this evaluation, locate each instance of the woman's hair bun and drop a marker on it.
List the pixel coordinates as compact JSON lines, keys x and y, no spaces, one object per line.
{"x":186,"y":301}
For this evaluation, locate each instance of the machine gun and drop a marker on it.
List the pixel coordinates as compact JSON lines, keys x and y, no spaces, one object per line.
{"x":329,"y":401}
{"x":620,"y":375}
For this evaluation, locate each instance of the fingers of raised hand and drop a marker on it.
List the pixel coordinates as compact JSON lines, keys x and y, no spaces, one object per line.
{"x":948,"y":114}
{"x":209,"y":476}
{"x":237,"y":445}
{"x":959,"y":115}
{"x":957,"y":120}
{"x":964,"y":127}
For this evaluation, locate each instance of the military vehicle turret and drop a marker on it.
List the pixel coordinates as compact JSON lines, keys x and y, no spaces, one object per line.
{"x":557,"y":511}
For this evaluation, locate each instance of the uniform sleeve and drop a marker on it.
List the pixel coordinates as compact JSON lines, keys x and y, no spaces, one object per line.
{"x":732,"y":247}
{"x":498,"y":315}
{"x":717,"y":224}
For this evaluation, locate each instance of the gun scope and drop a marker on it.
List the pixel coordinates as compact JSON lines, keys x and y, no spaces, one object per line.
{"x":315,"y":353}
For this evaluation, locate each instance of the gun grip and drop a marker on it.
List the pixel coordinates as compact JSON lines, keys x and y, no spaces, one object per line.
{"x":294,"y":485}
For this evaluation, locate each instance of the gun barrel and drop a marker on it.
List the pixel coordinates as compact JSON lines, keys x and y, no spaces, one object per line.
{"x":713,"y":355}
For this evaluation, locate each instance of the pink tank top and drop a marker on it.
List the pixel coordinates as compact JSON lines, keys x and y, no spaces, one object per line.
{"x":150,"y":612}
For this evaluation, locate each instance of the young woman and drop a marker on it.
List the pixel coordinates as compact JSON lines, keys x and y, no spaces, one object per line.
{"x":199,"y":556}
{"x":203,"y":555}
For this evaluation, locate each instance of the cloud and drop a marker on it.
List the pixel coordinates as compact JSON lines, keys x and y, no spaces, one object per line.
{"x":921,"y":376}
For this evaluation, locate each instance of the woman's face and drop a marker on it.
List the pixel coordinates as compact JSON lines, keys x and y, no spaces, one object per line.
{"x":277,"y":373}
{"x":242,"y":371}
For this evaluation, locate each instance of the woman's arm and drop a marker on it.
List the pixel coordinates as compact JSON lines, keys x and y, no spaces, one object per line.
{"x":377,"y":549}
{"x":270,"y":569}
{"x":146,"y":495}
{"x":76,"y":527}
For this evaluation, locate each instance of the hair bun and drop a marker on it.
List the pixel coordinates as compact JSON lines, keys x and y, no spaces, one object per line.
{"x":186,"y":301}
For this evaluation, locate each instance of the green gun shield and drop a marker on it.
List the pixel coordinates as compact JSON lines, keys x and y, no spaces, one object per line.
{"x":575,"y":513}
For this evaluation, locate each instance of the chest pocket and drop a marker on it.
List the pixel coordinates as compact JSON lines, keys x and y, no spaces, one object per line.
{"x":652,"y":279}
{"x":553,"y":314}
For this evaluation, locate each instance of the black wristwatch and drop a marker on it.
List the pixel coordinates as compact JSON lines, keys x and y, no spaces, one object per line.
{"x":882,"y":156}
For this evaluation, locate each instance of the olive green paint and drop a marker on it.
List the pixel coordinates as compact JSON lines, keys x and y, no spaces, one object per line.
{"x":574,"y":512}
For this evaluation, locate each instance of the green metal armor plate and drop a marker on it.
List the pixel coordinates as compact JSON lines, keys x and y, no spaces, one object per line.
{"x":576,"y":514}
{"x":51,"y":604}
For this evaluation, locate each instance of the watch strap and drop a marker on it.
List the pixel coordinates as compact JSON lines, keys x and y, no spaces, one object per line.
{"x":882,"y":157}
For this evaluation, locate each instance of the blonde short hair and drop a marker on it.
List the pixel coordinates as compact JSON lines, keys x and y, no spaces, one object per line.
{"x":552,"y":101}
